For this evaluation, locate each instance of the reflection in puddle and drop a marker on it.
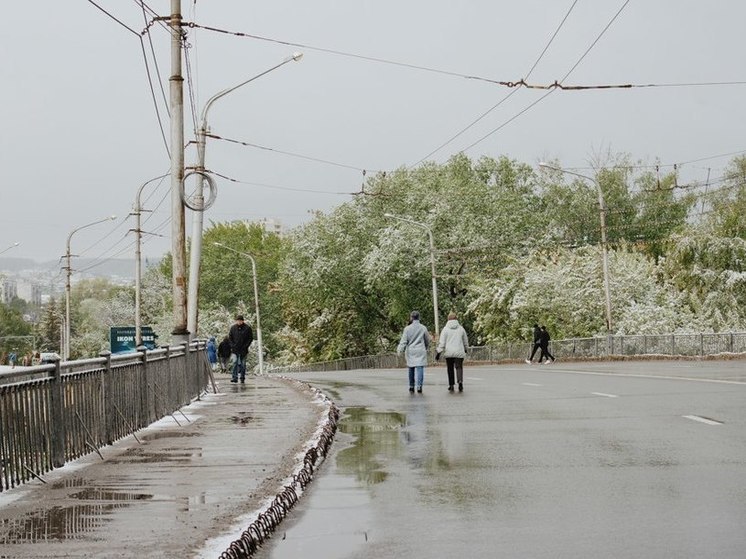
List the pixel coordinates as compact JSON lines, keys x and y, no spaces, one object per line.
{"x":376,"y":436}
{"x":71,"y":522}
{"x":167,"y":435}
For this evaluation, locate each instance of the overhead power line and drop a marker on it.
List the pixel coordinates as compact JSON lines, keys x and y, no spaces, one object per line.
{"x":508,"y":96}
{"x":288,"y":153}
{"x":145,"y":60}
{"x":276,"y":187}
{"x":557,"y":84}
{"x":548,"y":93}
{"x":119,"y":21}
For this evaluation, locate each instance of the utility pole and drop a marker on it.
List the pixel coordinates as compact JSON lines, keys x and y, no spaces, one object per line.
{"x":180,"y":333}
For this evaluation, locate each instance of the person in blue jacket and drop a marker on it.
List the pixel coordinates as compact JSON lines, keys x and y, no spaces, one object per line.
{"x":212,"y":352}
{"x":413,"y":344}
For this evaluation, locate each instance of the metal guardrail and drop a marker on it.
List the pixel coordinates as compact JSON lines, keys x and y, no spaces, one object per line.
{"x":51,"y":414}
{"x":671,"y":345}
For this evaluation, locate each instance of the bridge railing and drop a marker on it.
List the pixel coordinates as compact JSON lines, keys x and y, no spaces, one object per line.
{"x":52,"y":414}
{"x":671,"y":345}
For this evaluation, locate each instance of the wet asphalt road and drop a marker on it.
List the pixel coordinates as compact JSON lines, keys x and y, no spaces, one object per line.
{"x":593,"y":460}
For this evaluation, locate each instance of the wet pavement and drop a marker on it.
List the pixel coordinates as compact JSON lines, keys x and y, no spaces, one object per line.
{"x":182,"y":491}
{"x":582,"y":460}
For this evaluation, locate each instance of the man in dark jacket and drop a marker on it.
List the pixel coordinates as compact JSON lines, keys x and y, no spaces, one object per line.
{"x":240,"y":337}
{"x":224,"y":354}
{"x":537,"y":344}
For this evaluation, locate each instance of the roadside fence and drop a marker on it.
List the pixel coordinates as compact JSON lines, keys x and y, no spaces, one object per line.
{"x":52,"y":414}
{"x":608,"y":347}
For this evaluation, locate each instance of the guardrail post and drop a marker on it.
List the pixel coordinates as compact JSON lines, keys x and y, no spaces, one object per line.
{"x":57,"y":417}
{"x":108,"y":390}
{"x":144,"y":408}
{"x":701,"y":344}
{"x":673,"y":344}
{"x":730,"y":342}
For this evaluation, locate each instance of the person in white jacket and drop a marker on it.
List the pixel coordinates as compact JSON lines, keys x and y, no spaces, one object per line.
{"x":453,"y":344}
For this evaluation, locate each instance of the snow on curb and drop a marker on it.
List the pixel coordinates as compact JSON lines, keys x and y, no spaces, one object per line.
{"x":272,"y":511}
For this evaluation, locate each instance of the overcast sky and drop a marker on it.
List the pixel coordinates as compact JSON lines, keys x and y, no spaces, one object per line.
{"x":81,"y":134}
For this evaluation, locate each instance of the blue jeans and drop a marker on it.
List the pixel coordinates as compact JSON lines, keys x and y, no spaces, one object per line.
{"x":239,"y":367}
{"x":420,"y":376}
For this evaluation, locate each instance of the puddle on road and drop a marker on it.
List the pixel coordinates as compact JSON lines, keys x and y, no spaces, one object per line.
{"x":333,"y":520}
{"x":377,"y":435}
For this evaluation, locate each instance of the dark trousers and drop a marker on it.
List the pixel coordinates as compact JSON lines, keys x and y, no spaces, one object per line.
{"x":456,"y":363}
{"x":545,"y":353}
{"x":536,"y":347}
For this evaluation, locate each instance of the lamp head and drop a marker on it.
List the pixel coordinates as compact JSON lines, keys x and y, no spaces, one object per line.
{"x":112,"y":217}
{"x":297,"y":56}
{"x":388,"y":215}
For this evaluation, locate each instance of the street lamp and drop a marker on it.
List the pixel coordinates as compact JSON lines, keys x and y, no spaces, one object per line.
{"x":602,"y":214}
{"x":67,"y":282}
{"x":432,"y":264}
{"x":138,"y":265}
{"x":259,"y":349}
{"x":197,"y":219}
{"x":14,"y":245}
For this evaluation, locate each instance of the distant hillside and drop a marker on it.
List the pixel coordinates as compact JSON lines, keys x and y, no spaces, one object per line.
{"x":121,"y":267}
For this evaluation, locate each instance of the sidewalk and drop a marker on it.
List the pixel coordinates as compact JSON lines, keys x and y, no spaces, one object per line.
{"x":184,"y":491}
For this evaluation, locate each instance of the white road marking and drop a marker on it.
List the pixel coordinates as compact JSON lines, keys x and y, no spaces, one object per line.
{"x":604,"y":395}
{"x":638,"y":375}
{"x":473,"y":378}
{"x":702,"y":419}
{"x":531,"y":384}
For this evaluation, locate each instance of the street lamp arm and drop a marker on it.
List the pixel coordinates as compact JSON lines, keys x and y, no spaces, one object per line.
{"x":14,"y":245}
{"x":413,"y":222}
{"x":146,"y":183}
{"x":260,"y":345}
{"x":70,"y":236}
{"x":295,"y":57}
{"x":580,"y":175}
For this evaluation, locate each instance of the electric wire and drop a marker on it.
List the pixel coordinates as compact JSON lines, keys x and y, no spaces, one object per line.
{"x":508,"y":96}
{"x":548,"y":93}
{"x":664,"y":165}
{"x":142,"y":4}
{"x":119,"y":21}
{"x":147,"y":69}
{"x":276,"y":187}
{"x":288,"y":153}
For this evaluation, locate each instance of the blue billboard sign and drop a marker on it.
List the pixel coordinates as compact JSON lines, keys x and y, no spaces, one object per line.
{"x":122,"y":338}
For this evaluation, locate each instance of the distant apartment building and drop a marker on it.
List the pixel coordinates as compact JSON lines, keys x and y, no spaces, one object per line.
{"x":8,"y":290}
{"x":29,"y":292}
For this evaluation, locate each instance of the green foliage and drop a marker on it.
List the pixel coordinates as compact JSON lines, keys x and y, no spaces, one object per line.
{"x":226,"y":282}
{"x":96,"y":306}
{"x":14,"y":331}
{"x":728,"y":213}
{"x":49,"y":327}
{"x":511,"y":247}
